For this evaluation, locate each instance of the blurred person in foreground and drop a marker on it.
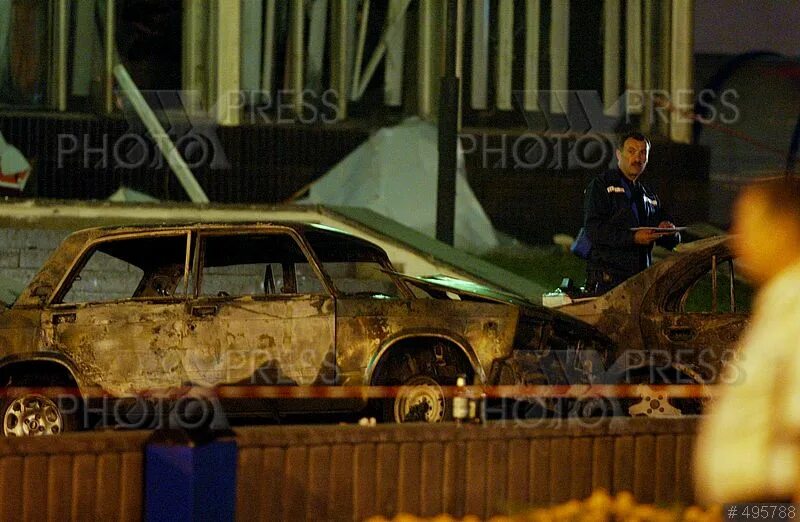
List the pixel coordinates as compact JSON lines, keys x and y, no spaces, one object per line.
{"x":748,"y":448}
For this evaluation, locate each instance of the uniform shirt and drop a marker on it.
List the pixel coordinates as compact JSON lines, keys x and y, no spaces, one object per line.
{"x":612,"y":206}
{"x":749,"y":445}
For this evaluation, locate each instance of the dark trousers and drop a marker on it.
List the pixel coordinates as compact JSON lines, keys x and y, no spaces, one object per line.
{"x":600,"y":281}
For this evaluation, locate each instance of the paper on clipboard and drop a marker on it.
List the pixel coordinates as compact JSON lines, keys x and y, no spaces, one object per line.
{"x":670,"y":230}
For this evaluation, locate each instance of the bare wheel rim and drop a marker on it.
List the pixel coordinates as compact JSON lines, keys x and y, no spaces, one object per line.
{"x":30,"y":416}
{"x":420,"y":399}
{"x":652,"y":404}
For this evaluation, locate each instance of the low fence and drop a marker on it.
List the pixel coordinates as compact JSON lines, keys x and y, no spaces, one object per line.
{"x":351,"y":472}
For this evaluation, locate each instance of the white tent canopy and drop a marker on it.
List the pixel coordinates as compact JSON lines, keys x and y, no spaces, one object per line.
{"x":394,"y":173}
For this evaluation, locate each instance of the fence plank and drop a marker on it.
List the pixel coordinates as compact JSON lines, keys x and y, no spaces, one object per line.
{"x":131,"y":495}
{"x":364,"y":481}
{"x":59,"y":487}
{"x":560,"y":469}
{"x":581,"y":467}
{"x":517,"y":479}
{"x":623,"y":463}
{"x":34,"y":496}
{"x":83,"y":486}
{"x":108,"y":487}
{"x":539,"y":466}
{"x":475,"y":502}
{"x":11,"y":487}
{"x":249,"y":475}
{"x":431,"y":494}
{"x":387,"y":465}
{"x":409,"y":477}
{"x":665,"y":464}
{"x":319,"y":469}
{"x":644,"y":484}
{"x":603,"y":463}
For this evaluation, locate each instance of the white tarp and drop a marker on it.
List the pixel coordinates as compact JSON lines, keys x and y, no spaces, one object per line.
{"x":14,"y":168}
{"x":394,"y":173}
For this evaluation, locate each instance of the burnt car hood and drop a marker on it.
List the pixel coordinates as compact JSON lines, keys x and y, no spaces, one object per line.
{"x":462,"y":288}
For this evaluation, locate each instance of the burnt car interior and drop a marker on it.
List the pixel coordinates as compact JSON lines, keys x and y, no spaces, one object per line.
{"x":147,"y":268}
{"x":715,"y":287}
{"x":356,"y":268}
{"x":255,"y":265}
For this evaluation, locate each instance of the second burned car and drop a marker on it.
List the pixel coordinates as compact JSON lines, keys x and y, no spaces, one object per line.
{"x":133,"y":310}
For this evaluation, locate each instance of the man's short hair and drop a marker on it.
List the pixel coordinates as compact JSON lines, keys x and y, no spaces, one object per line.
{"x":636,"y":135}
{"x":782,"y":195}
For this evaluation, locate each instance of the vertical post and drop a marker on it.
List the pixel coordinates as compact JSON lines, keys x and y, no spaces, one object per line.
{"x":395,"y":44}
{"x":448,"y":134}
{"x":340,"y":58}
{"x":251,"y":45}
{"x":682,"y":65}
{"x":559,"y":56}
{"x":108,"y":61}
{"x":480,"y":54}
{"x":611,"y":26}
{"x":648,"y":65}
{"x":297,"y":85}
{"x":85,"y":36}
{"x":268,"y":49}
{"x":318,"y":23}
{"x":228,"y":51}
{"x":427,"y":57}
{"x":195,"y":54}
{"x":633,"y":53}
{"x":532,"y":15}
{"x":505,"y":53}
{"x":60,"y":43}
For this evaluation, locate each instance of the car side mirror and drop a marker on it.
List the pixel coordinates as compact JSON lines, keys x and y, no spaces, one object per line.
{"x":42,"y":292}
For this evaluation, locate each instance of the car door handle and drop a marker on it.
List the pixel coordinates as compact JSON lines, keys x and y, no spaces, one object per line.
{"x":680,"y":333}
{"x":204,"y":311}
{"x":64,"y":318}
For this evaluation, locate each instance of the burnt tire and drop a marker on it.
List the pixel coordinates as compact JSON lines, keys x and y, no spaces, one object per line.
{"x":421,"y":371}
{"x":419,"y":399}
{"x":27,"y":414}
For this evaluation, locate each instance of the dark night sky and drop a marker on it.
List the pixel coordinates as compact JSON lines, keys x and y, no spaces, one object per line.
{"x":735,"y":26}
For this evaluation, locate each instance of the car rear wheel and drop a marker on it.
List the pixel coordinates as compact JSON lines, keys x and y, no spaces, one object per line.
{"x":31,"y":415}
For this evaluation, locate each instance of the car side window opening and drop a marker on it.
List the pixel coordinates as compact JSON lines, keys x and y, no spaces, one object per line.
{"x":129,"y":268}
{"x":256,"y":265}
{"x":719,"y":290}
{"x":356,"y":268}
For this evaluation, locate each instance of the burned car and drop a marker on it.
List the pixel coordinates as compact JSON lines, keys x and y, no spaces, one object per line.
{"x":122,"y":313}
{"x":685,"y":312}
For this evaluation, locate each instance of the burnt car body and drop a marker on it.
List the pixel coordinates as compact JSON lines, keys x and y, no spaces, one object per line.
{"x":684,"y":312}
{"x":138,"y":310}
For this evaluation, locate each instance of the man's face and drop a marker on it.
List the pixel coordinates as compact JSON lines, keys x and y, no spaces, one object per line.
{"x":632,"y":159}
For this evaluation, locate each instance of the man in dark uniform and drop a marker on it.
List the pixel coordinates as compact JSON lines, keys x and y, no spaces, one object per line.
{"x":616,"y":202}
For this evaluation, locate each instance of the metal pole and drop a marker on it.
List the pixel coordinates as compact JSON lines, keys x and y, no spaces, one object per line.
{"x":108,"y":77}
{"x":448,"y":134}
{"x":61,"y":36}
{"x":162,"y":139}
{"x":425,"y":61}
{"x":268,"y":51}
{"x":362,"y":36}
{"x":339,"y":44}
{"x":298,"y":14}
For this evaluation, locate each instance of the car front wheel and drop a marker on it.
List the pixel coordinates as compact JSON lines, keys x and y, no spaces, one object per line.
{"x":421,"y":399}
{"x":32,"y":415}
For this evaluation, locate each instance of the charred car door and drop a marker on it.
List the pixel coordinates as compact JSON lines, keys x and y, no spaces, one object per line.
{"x":260,"y":313}
{"x":700,"y":317}
{"x":119,"y":314}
